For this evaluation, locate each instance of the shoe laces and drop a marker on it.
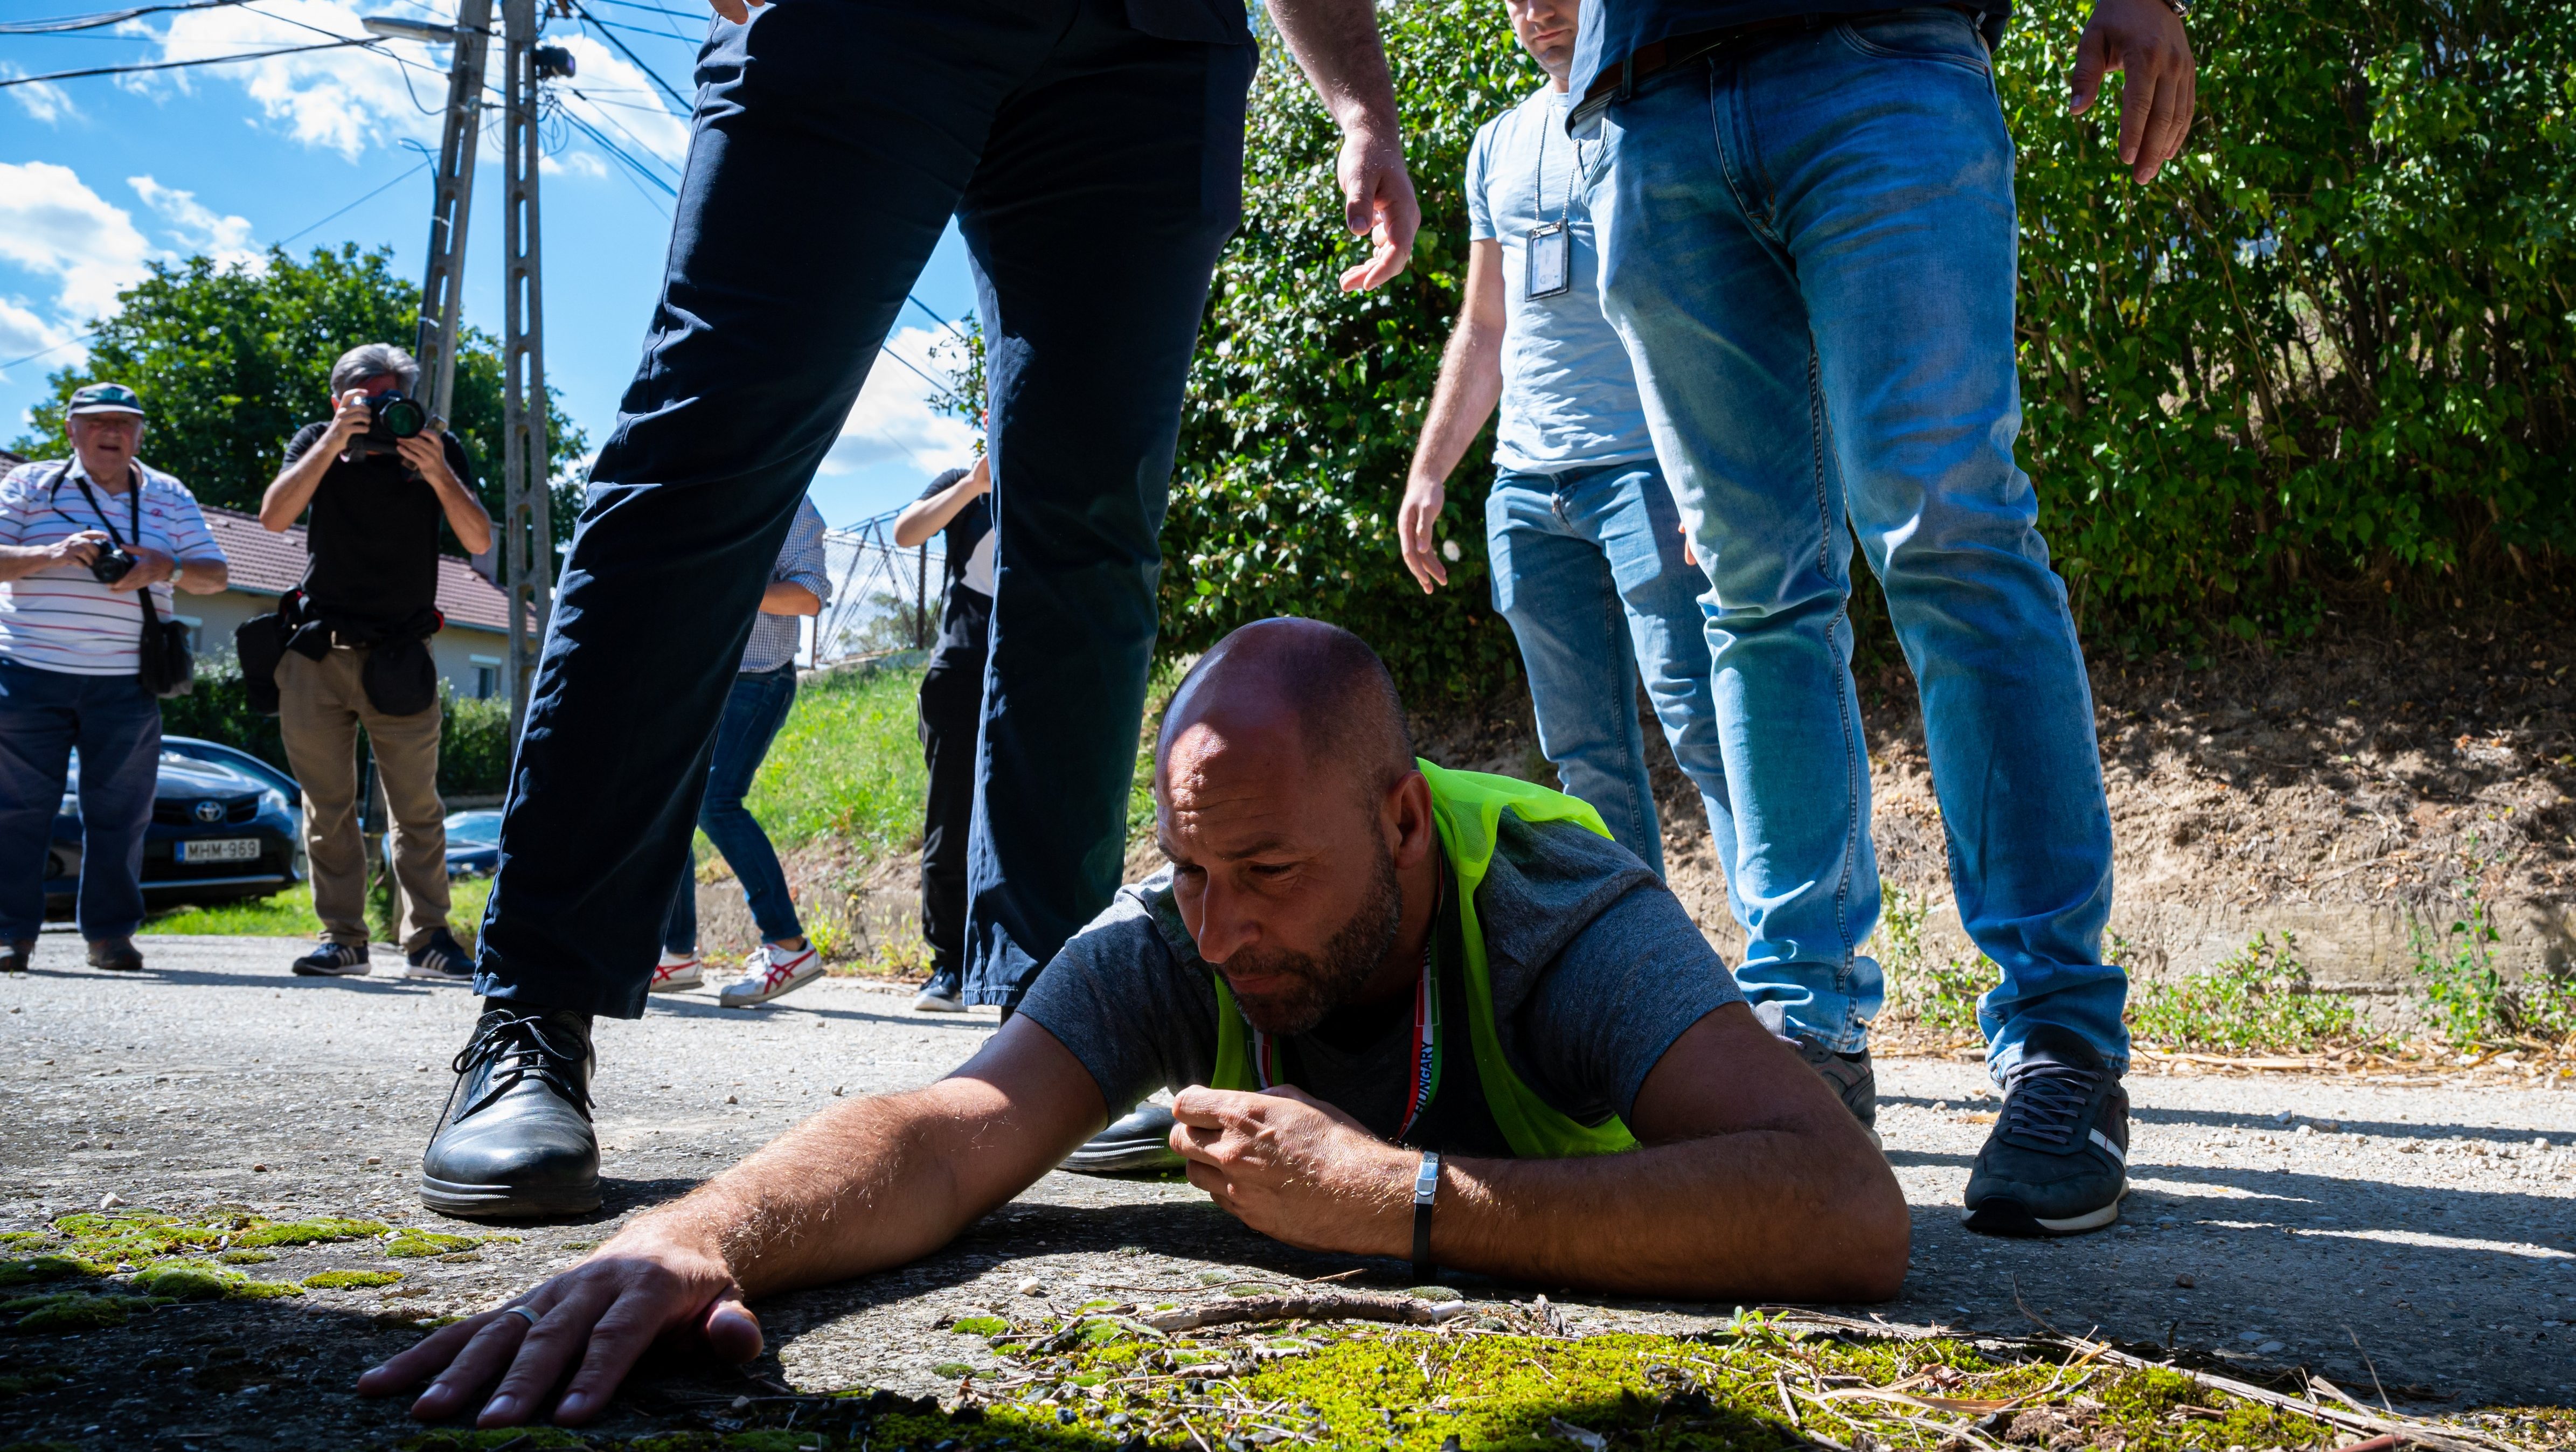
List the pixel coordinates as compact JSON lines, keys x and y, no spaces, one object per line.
{"x":2046,"y":1101}
{"x":522,"y":1046}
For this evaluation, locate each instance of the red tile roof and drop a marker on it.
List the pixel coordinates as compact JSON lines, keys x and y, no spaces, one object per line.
{"x":271,"y":564}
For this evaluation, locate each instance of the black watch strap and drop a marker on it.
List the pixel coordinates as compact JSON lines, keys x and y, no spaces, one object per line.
{"x":1426,"y":1188}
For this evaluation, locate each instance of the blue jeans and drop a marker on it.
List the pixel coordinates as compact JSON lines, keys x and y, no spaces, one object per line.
{"x":1588,"y":569}
{"x":116,"y":725}
{"x":752,"y":714}
{"x":1094,"y":166}
{"x":1810,"y":255}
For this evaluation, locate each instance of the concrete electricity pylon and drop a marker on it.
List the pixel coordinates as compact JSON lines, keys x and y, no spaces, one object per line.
{"x":521,"y":560}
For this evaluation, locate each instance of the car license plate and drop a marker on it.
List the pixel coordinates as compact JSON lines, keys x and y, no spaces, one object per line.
{"x":225,"y":849}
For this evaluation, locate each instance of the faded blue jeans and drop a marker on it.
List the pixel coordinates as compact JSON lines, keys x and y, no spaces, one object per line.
{"x":1588,"y":570}
{"x":753,"y":712}
{"x":1810,"y":253}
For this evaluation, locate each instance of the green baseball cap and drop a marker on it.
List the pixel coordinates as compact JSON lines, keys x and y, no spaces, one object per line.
{"x":105,"y":398}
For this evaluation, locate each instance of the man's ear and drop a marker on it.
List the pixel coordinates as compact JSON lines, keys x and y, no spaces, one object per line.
{"x":1405,"y":818}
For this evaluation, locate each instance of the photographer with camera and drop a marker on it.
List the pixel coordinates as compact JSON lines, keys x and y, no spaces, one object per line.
{"x":89,"y":549}
{"x":378,"y":477}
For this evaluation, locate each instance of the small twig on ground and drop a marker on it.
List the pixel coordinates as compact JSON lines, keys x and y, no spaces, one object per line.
{"x":1788,"y":1408}
{"x":2384,"y":1442}
{"x":2374,"y":1371}
{"x":1329,"y":1306}
{"x":1356,"y":1270}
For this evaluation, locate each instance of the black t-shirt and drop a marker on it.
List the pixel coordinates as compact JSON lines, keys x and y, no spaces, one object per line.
{"x":374,"y":533}
{"x":965,"y":613}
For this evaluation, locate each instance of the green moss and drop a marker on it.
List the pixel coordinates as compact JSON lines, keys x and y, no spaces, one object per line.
{"x":46,"y":1268}
{"x":42,"y":1379}
{"x":22,"y":1239}
{"x":71,"y":1311}
{"x":979,"y":1326}
{"x":350,"y":1280}
{"x":308,"y":1232}
{"x":952,"y":1370}
{"x":247,"y":1257}
{"x":410,"y":1244}
{"x":1102,"y":1333}
{"x":206,"y":1281}
{"x":1101,"y":1305}
{"x":141,"y":1237}
{"x":483,"y":1439}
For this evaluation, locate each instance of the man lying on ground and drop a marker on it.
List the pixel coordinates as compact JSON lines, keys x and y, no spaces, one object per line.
{"x":1421,"y":1012}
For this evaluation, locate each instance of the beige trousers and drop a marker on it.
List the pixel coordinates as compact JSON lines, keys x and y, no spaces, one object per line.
{"x":321,"y":704}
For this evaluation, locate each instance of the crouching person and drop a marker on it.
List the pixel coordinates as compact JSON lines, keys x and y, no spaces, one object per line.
{"x":1423,"y":1014}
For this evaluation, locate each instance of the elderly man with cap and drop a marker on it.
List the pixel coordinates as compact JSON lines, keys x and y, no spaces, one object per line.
{"x":1411,"y":1013}
{"x":89,"y":549}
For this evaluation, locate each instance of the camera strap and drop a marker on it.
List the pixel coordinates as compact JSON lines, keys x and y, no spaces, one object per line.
{"x":133,"y":504}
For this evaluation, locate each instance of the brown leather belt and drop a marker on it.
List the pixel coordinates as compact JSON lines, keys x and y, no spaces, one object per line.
{"x":1657,"y":56}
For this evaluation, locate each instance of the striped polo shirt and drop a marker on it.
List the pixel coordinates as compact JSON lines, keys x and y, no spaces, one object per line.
{"x":61,"y":618}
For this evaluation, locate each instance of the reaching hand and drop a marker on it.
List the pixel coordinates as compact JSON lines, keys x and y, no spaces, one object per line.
{"x":78,"y":549}
{"x":1378,"y":202}
{"x":1297,"y":1169}
{"x":2145,"y":42}
{"x":979,"y":480}
{"x":735,"y":10}
{"x":350,"y":419}
{"x":600,"y":1315}
{"x":1414,"y":518}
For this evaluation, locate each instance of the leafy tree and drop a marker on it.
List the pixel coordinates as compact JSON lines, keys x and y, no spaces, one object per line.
{"x":231,"y":361}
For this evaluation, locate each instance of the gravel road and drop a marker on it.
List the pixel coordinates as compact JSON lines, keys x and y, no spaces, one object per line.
{"x":2274,"y":1221}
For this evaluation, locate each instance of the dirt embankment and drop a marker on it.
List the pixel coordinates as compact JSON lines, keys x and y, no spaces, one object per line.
{"x":2355,"y":790}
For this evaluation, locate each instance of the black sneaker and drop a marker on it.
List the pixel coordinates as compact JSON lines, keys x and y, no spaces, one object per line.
{"x":1140,"y":1141}
{"x":516,"y":1137}
{"x":439,"y":957}
{"x":2058,"y":1160}
{"x":116,"y":955}
{"x":14,"y":957}
{"x":334,"y":960}
{"x":1849,"y":1076}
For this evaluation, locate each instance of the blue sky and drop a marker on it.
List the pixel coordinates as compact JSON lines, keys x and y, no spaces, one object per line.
{"x":99,"y":176}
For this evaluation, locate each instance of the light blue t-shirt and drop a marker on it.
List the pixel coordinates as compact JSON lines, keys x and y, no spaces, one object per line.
{"x":1569,"y":397}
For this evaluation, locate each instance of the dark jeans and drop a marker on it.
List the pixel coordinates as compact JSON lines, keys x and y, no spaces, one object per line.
{"x":952,"y":707}
{"x":116,"y":725}
{"x":1095,"y":171}
{"x":752,"y":715}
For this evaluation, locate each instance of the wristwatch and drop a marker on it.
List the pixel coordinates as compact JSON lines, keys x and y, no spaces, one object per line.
{"x":1426,"y":1188}
{"x":2180,"y":8}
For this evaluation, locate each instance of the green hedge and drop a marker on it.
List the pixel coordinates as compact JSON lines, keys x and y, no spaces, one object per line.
{"x":2326,"y":356}
{"x":473,"y":743}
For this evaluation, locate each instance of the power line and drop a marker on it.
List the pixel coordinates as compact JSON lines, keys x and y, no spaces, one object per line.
{"x":212,"y":60}
{"x":687,"y":107}
{"x":353,"y":206}
{"x":656,"y":9}
{"x":61,"y":23}
{"x":614,"y":150}
{"x":41,"y":352}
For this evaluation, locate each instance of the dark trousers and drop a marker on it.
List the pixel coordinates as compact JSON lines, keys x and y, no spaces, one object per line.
{"x":1095,"y":171}
{"x":116,"y":725}
{"x":753,"y":712}
{"x":952,"y":708}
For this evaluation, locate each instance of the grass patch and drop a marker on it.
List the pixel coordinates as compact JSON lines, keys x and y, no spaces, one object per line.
{"x":69,"y":1312}
{"x":2257,"y":1000}
{"x":289,"y":914}
{"x":413,"y":1244}
{"x":138,"y":1237}
{"x":848,"y":763}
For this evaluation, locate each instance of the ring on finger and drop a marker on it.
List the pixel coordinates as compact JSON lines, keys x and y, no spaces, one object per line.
{"x":522,"y":1312}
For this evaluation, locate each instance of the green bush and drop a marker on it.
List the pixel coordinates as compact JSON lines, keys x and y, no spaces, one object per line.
{"x":2326,"y":356}
{"x":473,"y":742}
{"x":2258,"y":1000}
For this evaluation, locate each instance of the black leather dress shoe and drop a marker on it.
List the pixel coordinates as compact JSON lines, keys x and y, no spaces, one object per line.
{"x":516,"y":1138}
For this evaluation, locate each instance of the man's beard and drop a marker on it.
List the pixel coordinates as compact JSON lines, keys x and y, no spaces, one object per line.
{"x":1323,"y":982}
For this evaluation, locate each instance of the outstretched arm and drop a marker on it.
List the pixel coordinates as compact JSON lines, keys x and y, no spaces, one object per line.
{"x":1753,"y":1181}
{"x":930,"y":514}
{"x":861,"y":1186}
{"x":1336,"y":45}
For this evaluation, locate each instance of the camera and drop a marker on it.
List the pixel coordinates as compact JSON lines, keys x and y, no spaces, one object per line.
{"x":110,"y":565}
{"x":392,"y":418}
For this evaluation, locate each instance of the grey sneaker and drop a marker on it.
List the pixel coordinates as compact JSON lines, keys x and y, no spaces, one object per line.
{"x":333,"y":960}
{"x":1851,"y":1079}
{"x":1140,"y":1141}
{"x":2057,"y":1162}
{"x":439,"y":958}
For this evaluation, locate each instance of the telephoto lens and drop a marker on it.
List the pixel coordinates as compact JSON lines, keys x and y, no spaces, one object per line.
{"x":396,"y":415}
{"x":110,"y":565}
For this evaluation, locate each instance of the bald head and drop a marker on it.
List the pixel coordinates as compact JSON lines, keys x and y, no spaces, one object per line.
{"x":1318,"y":683}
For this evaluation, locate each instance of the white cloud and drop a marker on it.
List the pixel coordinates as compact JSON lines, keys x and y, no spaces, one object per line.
{"x":196,"y":226}
{"x":43,"y":100}
{"x":893,"y":421}
{"x":609,"y":92}
{"x":340,"y":100}
{"x":53,"y":226}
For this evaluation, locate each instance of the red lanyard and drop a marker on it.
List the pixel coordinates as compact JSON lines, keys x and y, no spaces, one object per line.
{"x":1426,"y":1043}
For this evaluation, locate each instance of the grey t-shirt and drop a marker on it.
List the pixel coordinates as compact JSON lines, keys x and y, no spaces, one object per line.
{"x":1595,"y":970}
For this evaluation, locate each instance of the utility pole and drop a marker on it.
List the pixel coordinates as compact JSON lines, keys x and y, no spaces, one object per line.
{"x":440,"y":294}
{"x":527,"y":533}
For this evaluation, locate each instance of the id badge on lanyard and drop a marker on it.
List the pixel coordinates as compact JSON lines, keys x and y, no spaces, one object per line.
{"x":1551,"y":260}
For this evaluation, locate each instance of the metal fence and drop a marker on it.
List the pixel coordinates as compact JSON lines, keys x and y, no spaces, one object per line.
{"x":883,"y":598}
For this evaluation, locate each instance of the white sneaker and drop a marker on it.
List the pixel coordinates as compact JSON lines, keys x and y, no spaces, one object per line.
{"x":676,"y":973}
{"x":774,"y":971}
{"x":931,"y":1000}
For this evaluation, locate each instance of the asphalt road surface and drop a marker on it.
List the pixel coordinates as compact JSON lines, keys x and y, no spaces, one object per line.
{"x":2423,"y":1233}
